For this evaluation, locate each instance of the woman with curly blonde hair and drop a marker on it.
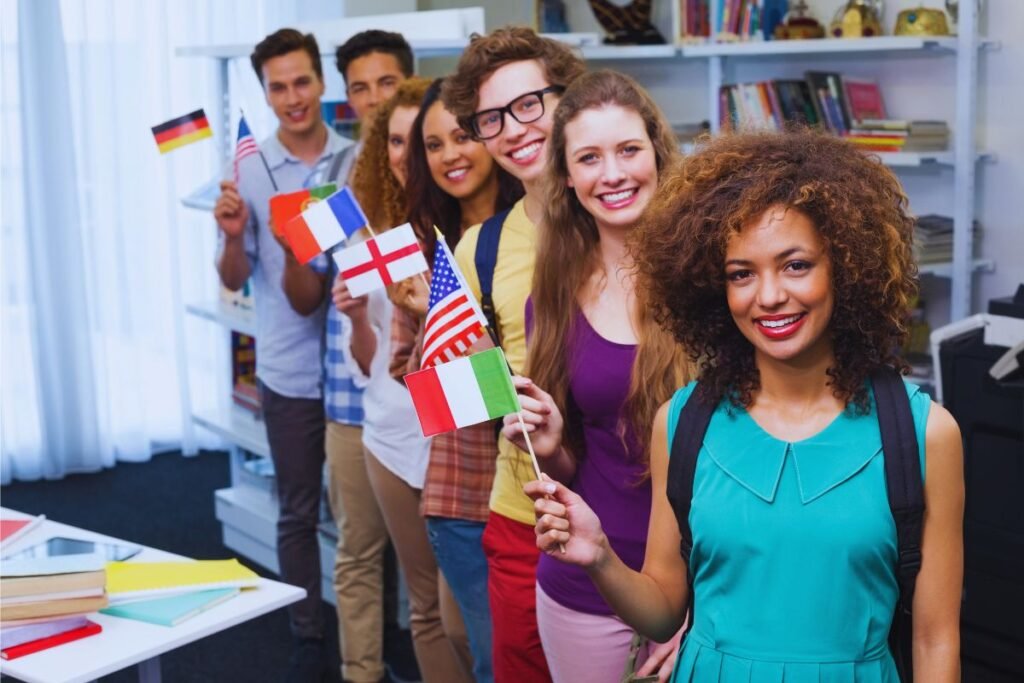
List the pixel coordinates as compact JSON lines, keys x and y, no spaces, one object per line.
{"x":379,"y":177}
{"x":783,"y":262}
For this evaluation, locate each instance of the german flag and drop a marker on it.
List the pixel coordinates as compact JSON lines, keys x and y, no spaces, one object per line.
{"x":181,"y":131}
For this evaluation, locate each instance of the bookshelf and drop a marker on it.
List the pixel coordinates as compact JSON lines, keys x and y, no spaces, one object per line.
{"x":956,"y":58}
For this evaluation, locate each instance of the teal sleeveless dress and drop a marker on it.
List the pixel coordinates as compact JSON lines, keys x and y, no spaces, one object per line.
{"x":794,"y":552}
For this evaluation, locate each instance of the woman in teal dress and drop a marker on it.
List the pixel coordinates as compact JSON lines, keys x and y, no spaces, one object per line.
{"x":783,"y":262}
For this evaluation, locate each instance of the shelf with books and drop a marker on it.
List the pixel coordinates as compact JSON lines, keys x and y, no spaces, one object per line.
{"x":823,"y":46}
{"x":232,"y":317}
{"x":236,"y":425}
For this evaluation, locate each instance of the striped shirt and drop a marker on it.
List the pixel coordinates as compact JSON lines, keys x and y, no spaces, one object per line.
{"x":343,"y":400}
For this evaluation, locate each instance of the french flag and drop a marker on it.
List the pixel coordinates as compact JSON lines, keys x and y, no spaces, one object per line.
{"x":324,"y":224}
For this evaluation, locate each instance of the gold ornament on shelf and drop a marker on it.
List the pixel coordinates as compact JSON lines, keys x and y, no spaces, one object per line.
{"x":858,"y":19}
{"x":922,"y":21}
{"x":798,"y":25}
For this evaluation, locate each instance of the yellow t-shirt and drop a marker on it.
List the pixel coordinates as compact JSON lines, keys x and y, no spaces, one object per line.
{"x":513,"y":277}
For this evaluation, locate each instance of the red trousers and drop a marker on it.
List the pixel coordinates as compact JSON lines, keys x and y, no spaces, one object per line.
{"x":511,"y":549}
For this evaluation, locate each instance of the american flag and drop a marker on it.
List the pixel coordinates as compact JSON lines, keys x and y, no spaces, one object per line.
{"x":246,"y":144}
{"x":454,"y":321}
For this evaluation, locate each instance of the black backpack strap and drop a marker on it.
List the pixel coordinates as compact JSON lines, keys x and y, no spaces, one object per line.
{"x":486,"y":258}
{"x":905,"y":488}
{"x":694,"y":419}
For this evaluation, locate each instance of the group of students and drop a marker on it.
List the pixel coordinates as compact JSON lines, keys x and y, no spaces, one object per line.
{"x":766,"y":275}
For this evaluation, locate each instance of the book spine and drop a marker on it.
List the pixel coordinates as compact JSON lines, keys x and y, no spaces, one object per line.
{"x":90,"y":629}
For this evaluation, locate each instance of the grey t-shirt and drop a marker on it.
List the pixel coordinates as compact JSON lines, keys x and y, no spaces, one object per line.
{"x":289,"y":346}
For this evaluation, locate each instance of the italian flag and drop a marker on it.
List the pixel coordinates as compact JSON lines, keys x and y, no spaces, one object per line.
{"x":463,"y":392}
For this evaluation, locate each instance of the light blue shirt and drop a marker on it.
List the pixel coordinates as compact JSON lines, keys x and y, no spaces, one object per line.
{"x":289,"y":346}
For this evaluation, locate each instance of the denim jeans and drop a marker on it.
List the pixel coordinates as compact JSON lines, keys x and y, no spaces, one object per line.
{"x":460,"y":556}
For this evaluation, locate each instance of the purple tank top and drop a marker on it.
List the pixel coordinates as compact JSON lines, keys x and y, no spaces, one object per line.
{"x":607,"y":476}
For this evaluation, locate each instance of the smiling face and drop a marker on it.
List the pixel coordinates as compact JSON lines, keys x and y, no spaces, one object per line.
{"x":520,"y":148}
{"x":779,"y":286}
{"x":458,"y":164}
{"x":399,"y":126}
{"x":293,"y":91}
{"x":612,"y":165}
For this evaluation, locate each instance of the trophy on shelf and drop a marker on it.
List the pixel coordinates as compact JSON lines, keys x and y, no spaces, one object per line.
{"x":798,"y":24}
{"x":627,"y":24}
{"x":922,"y":21}
{"x":858,"y":19}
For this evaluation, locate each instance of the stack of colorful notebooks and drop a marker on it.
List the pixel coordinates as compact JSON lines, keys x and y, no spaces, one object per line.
{"x":168,"y":593}
{"x":44,"y":602}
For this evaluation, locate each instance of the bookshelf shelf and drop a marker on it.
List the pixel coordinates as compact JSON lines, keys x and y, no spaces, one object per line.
{"x":231,"y":317}
{"x":922,"y":159}
{"x":945,"y":270}
{"x":237,"y":426}
{"x":808,"y":48}
{"x":628,"y":52}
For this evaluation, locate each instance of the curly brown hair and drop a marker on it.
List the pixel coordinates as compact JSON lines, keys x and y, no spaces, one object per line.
{"x":860,"y":212}
{"x":375,"y":186}
{"x":486,"y":54}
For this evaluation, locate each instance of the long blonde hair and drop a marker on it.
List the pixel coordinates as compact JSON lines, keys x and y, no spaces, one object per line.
{"x":567,"y":257}
{"x":376,"y":187}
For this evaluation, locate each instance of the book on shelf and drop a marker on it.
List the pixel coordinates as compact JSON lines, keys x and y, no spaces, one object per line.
{"x":744,"y":20}
{"x":88,"y":629}
{"x":172,"y":610}
{"x":24,"y":633}
{"x":933,"y":238}
{"x":863,"y":99}
{"x":694,"y":20}
{"x":244,"y":388}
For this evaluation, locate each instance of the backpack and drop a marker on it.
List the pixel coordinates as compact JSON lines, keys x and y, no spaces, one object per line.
{"x":904,"y":486}
{"x":485,"y":259}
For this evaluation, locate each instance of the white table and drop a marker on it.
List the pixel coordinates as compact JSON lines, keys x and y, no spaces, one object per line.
{"x":125,"y":642}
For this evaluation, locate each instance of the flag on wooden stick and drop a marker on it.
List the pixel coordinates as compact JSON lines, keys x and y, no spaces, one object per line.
{"x":179,"y":132}
{"x":245,"y":144}
{"x":463,"y":392}
{"x":454,"y":319}
{"x":380,"y":261}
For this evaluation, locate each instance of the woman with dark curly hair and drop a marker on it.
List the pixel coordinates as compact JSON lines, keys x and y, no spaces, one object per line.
{"x":783,"y":262}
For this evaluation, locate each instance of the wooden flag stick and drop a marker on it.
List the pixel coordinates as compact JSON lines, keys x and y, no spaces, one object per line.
{"x":533,"y":459}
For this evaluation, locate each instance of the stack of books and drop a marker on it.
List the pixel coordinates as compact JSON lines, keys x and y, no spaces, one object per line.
{"x":45,"y":600}
{"x":898,"y":135}
{"x":933,"y":238}
{"x":168,"y":593}
{"x":244,"y":391}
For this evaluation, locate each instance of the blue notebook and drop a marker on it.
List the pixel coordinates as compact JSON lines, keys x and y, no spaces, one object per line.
{"x":172,"y":610}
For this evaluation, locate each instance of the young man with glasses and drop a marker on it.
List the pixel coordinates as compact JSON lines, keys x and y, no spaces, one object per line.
{"x":504,"y":92}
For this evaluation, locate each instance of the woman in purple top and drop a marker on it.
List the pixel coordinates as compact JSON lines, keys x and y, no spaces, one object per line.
{"x":599,"y":365}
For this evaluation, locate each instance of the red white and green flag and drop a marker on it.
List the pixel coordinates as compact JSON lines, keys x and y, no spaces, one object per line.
{"x":464,"y":392}
{"x":285,"y":207}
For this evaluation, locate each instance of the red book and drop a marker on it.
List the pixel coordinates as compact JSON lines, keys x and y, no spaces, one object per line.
{"x":90,"y":629}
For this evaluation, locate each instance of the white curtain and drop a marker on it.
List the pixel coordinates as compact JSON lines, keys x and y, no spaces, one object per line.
{"x":97,"y":254}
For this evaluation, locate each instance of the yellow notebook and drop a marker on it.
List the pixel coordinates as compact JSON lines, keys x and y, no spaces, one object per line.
{"x":138,"y":580}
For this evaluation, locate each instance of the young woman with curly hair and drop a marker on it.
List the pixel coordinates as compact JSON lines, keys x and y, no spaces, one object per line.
{"x":395,"y":452}
{"x":783,"y":262}
{"x":378,"y":179}
{"x":599,"y":352}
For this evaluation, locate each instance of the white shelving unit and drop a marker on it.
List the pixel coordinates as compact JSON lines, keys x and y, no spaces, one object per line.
{"x":248,"y":509}
{"x":963,"y":49}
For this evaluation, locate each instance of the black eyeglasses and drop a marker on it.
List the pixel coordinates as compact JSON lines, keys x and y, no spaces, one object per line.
{"x":525,"y":109}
